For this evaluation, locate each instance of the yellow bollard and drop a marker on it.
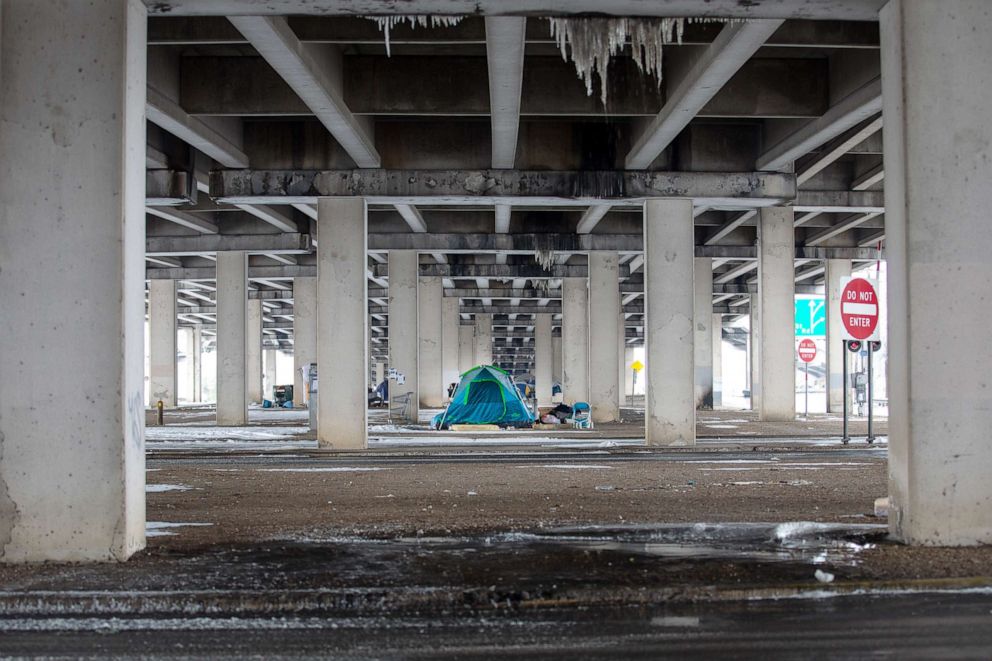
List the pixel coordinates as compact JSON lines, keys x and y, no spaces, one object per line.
{"x":160,"y":405}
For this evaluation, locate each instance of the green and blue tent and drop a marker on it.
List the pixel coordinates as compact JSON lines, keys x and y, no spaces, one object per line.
{"x":486,"y":395}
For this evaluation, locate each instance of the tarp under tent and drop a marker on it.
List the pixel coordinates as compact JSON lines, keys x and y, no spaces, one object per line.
{"x":486,"y":395}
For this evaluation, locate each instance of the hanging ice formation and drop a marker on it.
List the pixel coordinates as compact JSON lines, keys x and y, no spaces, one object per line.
{"x":385,"y":23}
{"x":592,"y":42}
{"x":545,"y":258}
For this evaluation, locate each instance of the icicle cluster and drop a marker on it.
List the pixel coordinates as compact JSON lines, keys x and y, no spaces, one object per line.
{"x":592,"y":42}
{"x":386,"y":23}
{"x":546,"y":258}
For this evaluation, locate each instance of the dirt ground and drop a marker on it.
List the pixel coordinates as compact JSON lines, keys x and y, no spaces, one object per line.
{"x":247,"y":503}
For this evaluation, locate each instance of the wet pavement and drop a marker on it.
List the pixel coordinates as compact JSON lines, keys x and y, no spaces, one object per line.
{"x":912,"y":626}
{"x":589,"y":592}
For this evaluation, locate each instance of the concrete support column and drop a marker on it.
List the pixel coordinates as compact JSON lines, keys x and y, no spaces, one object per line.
{"x":575,"y":339}
{"x":937,"y":91}
{"x":431,"y":354}
{"x":776,"y":294}
{"x":483,"y":339}
{"x":270,"y":373}
{"x":197,"y":353}
{"x":556,"y":359}
{"x":162,"y":334}
{"x":628,"y":374}
{"x":253,"y":350}
{"x":304,"y":334}
{"x":604,"y":301}
{"x":466,"y":348}
{"x":717,"y":328}
{"x":669,"y":246}
{"x":342,"y":323}
{"x":621,"y":358}
{"x":72,"y":185}
{"x":754,"y":351}
{"x":836,"y":269}
{"x":232,"y":325}
{"x":542,"y":359}
{"x":703,"y":342}
{"x":403,"y":312}
{"x":449,"y":342}
{"x":380,"y":373}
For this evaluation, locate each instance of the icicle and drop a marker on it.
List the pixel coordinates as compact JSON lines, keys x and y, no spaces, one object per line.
{"x":545,"y":258}
{"x":386,"y":23}
{"x":593,"y":42}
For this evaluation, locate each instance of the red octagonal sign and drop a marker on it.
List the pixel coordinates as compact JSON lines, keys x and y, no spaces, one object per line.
{"x":859,"y":309}
{"x":807,"y":350}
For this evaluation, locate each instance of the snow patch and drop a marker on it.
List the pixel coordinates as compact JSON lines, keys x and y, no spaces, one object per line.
{"x":159,"y":528}
{"x":161,"y":488}
{"x":327,"y":469}
{"x":569,"y":466}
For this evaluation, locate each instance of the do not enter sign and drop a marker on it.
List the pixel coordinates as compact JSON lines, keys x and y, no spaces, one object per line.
{"x":807,"y":350}
{"x":859,"y":309}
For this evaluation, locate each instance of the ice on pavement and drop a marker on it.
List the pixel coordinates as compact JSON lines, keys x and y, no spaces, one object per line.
{"x":226,"y":438}
{"x":326,"y":469}
{"x":170,"y":433}
{"x":160,"y":488}
{"x":569,"y":466}
{"x":159,"y":528}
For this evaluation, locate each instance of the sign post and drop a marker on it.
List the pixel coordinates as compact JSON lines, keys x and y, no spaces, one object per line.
{"x":859,"y":314}
{"x":637,"y":366}
{"x":807,"y":352}
{"x":873,"y":348}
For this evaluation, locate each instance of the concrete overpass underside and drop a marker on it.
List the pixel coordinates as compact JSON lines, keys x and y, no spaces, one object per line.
{"x":199,"y":200}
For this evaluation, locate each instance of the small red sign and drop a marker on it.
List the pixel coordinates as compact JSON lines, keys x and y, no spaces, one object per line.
{"x":807,"y":350}
{"x":859,"y":309}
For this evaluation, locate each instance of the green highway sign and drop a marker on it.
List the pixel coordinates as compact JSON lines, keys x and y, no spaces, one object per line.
{"x":811,"y":317}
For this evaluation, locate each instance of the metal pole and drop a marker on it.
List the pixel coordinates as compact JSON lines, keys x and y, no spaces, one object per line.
{"x":845,"y":439}
{"x":807,"y":390}
{"x":868,"y":396}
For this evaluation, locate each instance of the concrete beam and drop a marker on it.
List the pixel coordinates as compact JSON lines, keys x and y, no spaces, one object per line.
{"x":731,"y":225}
{"x":734,"y":46}
{"x":850,"y":10}
{"x":169,"y":188}
{"x":869,"y":178}
{"x":505,"y":59}
{"x":472,"y":271}
{"x":282,"y":259}
{"x":507,"y":271}
{"x":164,"y":261}
{"x":314,"y":74}
{"x":164,"y":246}
{"x":748,"y":189}
{"x":872,"y":239}
{"x":167,"y":114}
{"x":840,"y":201}
{"x":212,"y":309}
{"x":185,"y":219}
{"x":272,"y":216}
{"x":209,"y":272}
{"x":853,"y":109}
{"x":187,"y":31}
{"x":837,"y":148}
{"x":844,"y":225}
{"x":736,"y":272}
{"x":270,"y":294}
{"x":591,"y":217}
